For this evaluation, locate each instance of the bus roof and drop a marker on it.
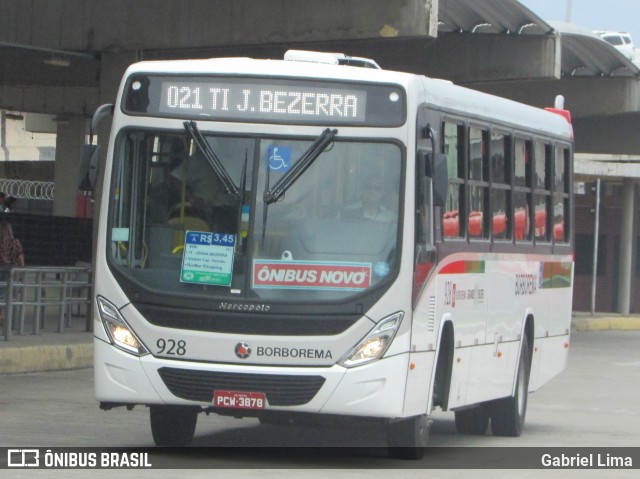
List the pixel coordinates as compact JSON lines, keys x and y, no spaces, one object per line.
{"x":453,"y":98}
{"x":440,"y":94}
{"x":262,"y":67}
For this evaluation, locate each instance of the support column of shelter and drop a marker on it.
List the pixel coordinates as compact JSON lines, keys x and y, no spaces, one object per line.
{"x":626,"y":247}
{"x":69,"y":140}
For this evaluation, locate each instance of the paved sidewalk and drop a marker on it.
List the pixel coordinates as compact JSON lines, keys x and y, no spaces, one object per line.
{"x":605,"y":322}
{"x":73,"y":349}
{"x":49,"y":350}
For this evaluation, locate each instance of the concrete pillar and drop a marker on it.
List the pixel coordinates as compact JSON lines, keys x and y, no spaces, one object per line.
{"x":626,"y":247}
{"x":69,"y":141}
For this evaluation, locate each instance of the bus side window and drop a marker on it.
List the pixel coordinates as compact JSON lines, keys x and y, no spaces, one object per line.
{"x":542,"y":185}
{"x":453,"y":213}
{"x":501,"y":185}
{"x":478,"y":177}
{"x":561,"y":194}
{"x":522,"y":190}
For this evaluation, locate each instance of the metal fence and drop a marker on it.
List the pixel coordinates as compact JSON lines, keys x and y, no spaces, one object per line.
{"x":29,"y":189}
{"x":40,"y":289}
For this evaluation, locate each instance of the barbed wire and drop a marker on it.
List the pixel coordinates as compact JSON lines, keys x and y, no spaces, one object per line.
{"x":28,"y":189}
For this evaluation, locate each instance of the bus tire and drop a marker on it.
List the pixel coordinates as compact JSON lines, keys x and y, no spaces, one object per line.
{"x":472,"y":421}
{"x":407,"y":438}
{"x":507,"y":414}
{"x":173,"y":425}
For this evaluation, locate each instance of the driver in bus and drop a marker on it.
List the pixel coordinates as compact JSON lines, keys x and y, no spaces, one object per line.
{"x":204,"y":195}
{"x":372,"y":205}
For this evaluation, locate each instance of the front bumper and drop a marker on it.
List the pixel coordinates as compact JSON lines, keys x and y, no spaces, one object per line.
{"x":373,"y":390}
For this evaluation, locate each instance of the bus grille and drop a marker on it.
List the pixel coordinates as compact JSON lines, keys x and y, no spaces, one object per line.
{"x":256,"y":324}
{"x":280,"y":390}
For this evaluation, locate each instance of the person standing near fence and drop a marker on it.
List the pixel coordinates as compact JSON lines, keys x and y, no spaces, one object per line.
{"x":11,"y":254}
{"x":7,"y":204}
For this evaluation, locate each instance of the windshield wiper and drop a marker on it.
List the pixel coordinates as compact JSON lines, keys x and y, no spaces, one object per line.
{"x":271,"y":195}
{"x":243,"y":207}
{"x":213,"y":160}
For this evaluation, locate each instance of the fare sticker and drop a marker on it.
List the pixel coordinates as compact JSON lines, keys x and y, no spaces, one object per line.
{"x":207,"y":258}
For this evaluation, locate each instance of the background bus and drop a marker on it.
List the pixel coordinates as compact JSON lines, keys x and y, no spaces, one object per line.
{"x":281,"y":238}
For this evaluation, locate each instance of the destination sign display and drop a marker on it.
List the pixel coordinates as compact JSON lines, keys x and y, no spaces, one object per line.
{"x":263,"y":101}
{"x":266,"y":100}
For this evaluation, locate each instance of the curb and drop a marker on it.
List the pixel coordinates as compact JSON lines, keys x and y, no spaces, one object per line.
{"x":31,"y":359}
{"x":622,"y":323}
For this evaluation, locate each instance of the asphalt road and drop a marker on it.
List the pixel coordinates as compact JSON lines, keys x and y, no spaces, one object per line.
{"x":594,"y":403}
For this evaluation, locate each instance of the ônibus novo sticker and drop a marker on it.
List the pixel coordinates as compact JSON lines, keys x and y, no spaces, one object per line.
{"x":311,"y":275}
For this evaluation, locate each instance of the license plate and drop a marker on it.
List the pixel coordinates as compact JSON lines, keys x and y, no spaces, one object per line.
{"x":239,"y":400}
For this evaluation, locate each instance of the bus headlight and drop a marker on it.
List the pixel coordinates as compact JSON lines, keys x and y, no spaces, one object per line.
{"x":118,"y":330}
{"x":375,"y":344}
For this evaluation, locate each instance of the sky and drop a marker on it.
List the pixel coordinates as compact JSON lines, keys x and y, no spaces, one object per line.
{"x":613,"y":15}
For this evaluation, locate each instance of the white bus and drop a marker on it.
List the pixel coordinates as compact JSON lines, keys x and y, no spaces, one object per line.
{"x":280,"y":238}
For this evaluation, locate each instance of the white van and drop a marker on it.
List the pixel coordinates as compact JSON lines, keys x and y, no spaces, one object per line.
{"x":621,"y":41}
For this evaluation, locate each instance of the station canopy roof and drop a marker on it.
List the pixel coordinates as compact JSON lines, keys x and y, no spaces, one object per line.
{"x":583,"y":53}
{"x":586,"y":54}
{"x":44,"y":60}
{"x":489,"y":16}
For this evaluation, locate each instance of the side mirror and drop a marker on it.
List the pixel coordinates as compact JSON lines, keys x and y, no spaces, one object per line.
{"x":437,"y":170}
{"x":89,"y":163}
{"x":90,"y":157}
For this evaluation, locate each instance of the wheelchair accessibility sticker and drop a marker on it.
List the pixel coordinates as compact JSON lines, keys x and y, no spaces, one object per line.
{"x":279,"y":158}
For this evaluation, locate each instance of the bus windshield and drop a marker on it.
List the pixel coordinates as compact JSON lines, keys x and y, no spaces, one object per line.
{"x":183,"y":224}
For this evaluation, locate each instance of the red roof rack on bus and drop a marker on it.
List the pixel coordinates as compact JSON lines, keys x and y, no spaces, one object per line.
{"x":558,"y":107}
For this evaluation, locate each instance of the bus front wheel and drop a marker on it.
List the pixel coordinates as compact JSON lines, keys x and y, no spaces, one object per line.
{"x":507,"y":414}
{"x":407,"y":438}
{"x":173,"y":425}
